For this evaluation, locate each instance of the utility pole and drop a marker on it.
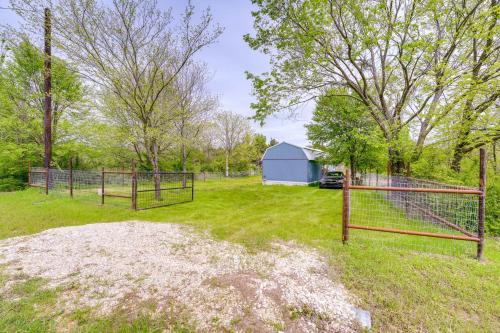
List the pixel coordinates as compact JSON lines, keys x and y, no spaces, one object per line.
{"x":48,"y":90}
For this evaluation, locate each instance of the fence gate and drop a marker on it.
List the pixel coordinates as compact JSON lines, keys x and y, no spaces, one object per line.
{"x":409,"y":206}
{"x":151,"y":190}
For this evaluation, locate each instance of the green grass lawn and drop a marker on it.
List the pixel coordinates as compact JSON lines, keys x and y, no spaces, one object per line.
{"x":406,"y":290}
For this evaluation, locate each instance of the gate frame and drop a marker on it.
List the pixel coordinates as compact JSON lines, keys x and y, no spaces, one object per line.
{"x":135,"y":191}
{"x":480,"y":192}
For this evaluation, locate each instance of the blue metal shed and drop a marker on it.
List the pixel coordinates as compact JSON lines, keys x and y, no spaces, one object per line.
{"x":289,"y":164}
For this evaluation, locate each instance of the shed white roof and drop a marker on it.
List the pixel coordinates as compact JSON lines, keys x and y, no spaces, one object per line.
{"x":312,"y":153}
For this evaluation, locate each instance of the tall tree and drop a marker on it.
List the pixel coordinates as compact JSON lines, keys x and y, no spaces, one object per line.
{"x":194,"y":108}
{"x":22,"y":103}
{"x":273,"y":142}
{"x":342,"y":127}
{"x":480,"y":80}
{"x":259,"y":145}
{"x":399,"y":58}
{"x":231,"y":128}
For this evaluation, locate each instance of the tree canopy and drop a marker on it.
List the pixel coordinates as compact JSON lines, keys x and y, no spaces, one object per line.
{"x":342,"y":127}
{"x":411,"y":63}
{"x":22,"y":96}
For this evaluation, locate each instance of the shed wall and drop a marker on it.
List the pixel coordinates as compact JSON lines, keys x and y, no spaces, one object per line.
{"x":313,"y":171}
{"x":285,"y":170}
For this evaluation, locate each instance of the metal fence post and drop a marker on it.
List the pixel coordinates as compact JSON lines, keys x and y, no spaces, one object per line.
{"x":29,"y":173}
{"x":134,"y":187}
{"x":482,"y":202}
{"x":123,"y":174}
{"x":71,"y":177}
{"x":345,"y":208}
{"x":102,"y":186}
{"x":192,"y":186}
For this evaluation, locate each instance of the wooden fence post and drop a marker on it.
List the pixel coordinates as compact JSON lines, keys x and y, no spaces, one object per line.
{"x":71,"y":177}
{"x":29,"y":173}
{"x":102,"y":186}
{"x":482,"y":202}
{"x":345,"y":208}
{"x":134,"y":187}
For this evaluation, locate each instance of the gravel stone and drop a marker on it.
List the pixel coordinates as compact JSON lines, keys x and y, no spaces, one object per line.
{"x":218,"y":285}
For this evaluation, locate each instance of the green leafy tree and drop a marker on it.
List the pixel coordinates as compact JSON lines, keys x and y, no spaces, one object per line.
{"x":478,"y":88}
{"x":22,"y":100}
{"x":194,"y":108}
{"x":244,"y":155}
{"x":231,"y":129}
{"x":401,"y":59}
{"x":342,"y":127}
{"x":259,"y":145}
{"x":273,"y":142}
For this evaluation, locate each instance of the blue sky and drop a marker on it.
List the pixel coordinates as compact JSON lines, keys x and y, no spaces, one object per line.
{"x":228,"y":60}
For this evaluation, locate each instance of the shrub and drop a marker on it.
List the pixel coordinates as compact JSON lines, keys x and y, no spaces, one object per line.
{"x":9,"y":184}
{"x":492,"y":221}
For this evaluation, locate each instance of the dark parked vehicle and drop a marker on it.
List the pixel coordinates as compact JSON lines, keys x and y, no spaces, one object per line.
{"x":332,"y":179}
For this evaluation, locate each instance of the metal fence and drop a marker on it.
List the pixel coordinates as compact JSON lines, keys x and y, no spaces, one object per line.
{"x":414,"y":208}
{"x":138,"y":190}
{"x":205,"y":175}
{"x":163,"y":189}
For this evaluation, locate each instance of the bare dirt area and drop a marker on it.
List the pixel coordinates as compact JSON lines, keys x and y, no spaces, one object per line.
{"x":217,"y":284}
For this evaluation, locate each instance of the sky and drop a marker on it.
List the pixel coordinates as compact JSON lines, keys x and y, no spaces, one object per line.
{"x":228,"y":60}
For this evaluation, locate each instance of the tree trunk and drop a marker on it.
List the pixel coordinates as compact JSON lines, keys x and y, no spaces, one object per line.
{"x":463,"y":137}
{"x":471,"y":113}
{"x":494,"y":144}
{"x":183,"y":157}
{"x":156,"y":171}
{"x":183,"y":162}
{"x":352,"y":165}
{"x":396,"y":163}
{"x":457,"y":157}
{"x":227,"y":164}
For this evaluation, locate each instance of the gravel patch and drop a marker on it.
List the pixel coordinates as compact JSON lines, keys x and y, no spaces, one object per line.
{"x":217,"y":284}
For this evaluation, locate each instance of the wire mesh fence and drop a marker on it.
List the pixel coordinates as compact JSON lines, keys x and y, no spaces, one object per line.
{"x":163,"y":189}
{"x":137,"y":190}
{"x":205,"y":175}
{"x":415,"y":214}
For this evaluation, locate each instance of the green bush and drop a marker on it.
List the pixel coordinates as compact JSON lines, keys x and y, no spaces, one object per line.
{"x":11,"y":184}
{"x":492,"y":221}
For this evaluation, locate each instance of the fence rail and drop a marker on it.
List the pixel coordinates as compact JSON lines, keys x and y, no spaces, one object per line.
{"x":409,"y":206}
